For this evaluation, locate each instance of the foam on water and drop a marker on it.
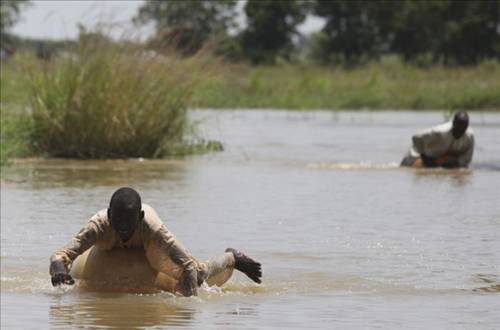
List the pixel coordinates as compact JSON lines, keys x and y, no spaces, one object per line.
{"x":353,"y":166}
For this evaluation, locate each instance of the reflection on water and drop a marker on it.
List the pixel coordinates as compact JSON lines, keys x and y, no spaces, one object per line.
{"x":347,"y":239}
{"x":41,"y":173}
{"x":457,"y":177}
{"x":117,"y":311}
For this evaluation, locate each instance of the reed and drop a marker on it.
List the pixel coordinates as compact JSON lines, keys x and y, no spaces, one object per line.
{"x":111,"y":102}
{"x":16,"y":128}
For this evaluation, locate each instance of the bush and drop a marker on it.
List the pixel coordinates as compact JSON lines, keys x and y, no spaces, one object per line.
{"x":109,"y":101}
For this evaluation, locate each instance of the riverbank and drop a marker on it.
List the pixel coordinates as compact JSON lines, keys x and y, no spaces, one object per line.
{"x":389,"y":84}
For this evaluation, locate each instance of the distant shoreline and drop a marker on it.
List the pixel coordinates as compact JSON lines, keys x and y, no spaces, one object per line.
{"x":388,"y":84}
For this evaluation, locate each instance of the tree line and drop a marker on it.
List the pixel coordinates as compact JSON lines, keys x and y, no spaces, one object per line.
{"x":439,"y":31}
{"x":451,"y":32}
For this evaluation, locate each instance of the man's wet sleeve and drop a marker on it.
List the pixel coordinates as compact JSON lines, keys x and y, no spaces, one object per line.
{"x":85,"y":238}
{"x":422,"y":139}
{"x":169,"y":245}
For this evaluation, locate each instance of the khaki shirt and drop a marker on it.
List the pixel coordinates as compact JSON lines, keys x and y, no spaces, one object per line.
{"x":439,"y":141}
{"x":164,"y":252}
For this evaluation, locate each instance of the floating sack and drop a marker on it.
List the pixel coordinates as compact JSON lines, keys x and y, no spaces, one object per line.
{"x":120,"y":270}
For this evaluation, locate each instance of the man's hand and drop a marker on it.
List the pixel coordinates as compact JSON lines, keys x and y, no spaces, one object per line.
{"x":418,"y":163}
{"x":60,"y":274}
{"x":61,"y":278}
{"x":448,"y":161}
{"x":188,"y":283}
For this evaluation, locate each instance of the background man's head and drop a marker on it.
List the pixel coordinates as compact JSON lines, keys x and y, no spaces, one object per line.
{"x":125,"y":212}
{"x":460,"y":124}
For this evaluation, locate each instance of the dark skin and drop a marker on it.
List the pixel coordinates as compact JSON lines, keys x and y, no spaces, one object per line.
{"x":61,"y":275}
{"x":459,"y":127}
{"x":123,"y":221}
{"x":446,"y":161}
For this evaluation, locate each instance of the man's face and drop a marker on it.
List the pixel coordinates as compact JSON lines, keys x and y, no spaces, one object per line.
{"x":124,"y":221}
{"x":459,"y":128}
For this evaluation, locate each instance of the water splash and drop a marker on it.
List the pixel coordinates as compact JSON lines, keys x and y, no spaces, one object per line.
{"x":353,"y":166}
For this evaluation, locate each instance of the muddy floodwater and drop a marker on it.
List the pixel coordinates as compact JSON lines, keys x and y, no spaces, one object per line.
{"x":347,"y":239}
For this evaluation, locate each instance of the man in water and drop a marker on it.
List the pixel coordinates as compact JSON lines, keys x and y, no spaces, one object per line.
{"x":448,"y":145}
{"x":130,"y":225}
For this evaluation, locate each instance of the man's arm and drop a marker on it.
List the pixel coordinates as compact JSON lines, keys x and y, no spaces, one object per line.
{"x":458,"y":160}
{"x":465,"y":158}
{"x":61,"y":261}
{"x":447,"y":161}
{"x":172,"y":248}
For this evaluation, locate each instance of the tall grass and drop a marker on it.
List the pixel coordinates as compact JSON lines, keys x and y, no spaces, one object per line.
{"x":110,"y":101}
{"x":388,"y":84}
{"x":15,"y":119}
{"x":16,"y":127}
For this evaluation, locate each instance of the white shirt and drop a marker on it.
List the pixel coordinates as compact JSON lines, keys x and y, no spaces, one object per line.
{"x":439,"y":141}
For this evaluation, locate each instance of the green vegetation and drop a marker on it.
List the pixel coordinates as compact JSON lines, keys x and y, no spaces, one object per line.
{"x":449,"y":32}
{"x":270,"y":28}
{"x":9,"y":14}
{"x":99,"y":102}
{"x":15,"y":133}
{"x":187,"y":24}
{"x":124,"y":103}
{"x":446,"y":31}
{"x":388,"y":84}
{"x":98,"y":98}
{"x":105,"y":104}
{"x":15,"y":123}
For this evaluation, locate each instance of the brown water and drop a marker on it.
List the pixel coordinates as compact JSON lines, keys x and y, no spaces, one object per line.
{"x":347,"y":239}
